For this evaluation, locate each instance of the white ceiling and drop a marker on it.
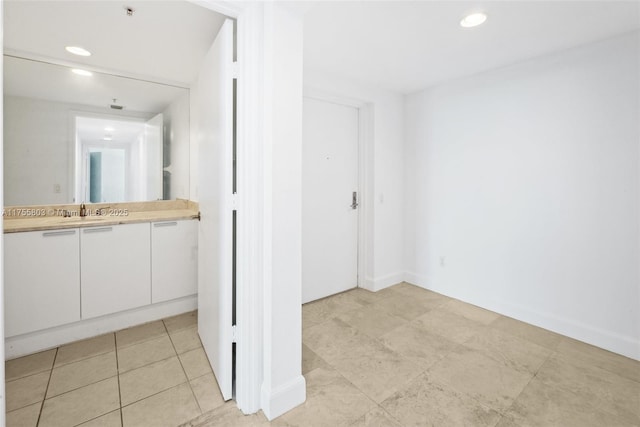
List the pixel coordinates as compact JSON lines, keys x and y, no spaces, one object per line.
{"x":33,"y":79}
{"x":406,"y":46}
{"x":93,"y":129}
{"x":162,"y":41}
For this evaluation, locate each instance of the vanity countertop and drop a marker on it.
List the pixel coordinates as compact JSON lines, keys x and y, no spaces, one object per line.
{"x":38,"y":218}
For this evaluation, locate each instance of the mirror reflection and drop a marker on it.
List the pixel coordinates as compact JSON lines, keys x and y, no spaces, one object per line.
{"x":74,"y":137}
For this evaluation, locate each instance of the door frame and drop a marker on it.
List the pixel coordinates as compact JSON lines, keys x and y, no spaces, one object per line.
{"x":365,"y":177}
{"x":250,"y":269}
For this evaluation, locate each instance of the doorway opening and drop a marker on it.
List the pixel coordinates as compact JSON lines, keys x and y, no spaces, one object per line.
{"x":118,"y":160}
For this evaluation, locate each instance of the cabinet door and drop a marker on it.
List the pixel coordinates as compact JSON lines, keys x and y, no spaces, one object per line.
{"x":42,"y":280}
{"x":115,"y":268}
{"x":174,"y":259}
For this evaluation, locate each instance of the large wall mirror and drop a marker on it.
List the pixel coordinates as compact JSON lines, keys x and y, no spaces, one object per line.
{"x":112,"y":123}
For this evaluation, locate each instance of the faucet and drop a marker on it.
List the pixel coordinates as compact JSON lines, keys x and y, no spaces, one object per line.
{"x":83,"y":210}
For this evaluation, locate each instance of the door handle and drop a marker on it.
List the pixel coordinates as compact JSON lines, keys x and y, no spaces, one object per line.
{"x":354,"y":200}
{"x":98,"y":230}
{"x":59,"y":233}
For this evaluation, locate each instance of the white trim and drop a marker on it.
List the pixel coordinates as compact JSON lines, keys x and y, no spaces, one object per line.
{"x":626,"y":346}
{"x":2,"y":350}
{"x":21,"y":345}
{"x":387,"y":281}
{"x":277,"y":401}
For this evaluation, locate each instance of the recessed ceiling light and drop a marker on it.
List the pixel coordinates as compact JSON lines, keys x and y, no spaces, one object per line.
{"x":107,"y":138}
{"x":109,"y":129}
{"x":82,"y":72}
{"x":473,"y":20}
{"x":76,"y":50}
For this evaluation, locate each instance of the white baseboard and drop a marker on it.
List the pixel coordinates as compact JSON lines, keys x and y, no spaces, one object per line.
{"x":626,"y":346}
{"x":21,"y":345}
{"x":276,"y":402}
{"x":377,"y":284}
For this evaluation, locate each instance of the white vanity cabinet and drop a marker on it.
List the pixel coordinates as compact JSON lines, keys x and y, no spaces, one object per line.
{"x":115,"y":268}
{"x":42,"y":280}
{"x":174,"y":259}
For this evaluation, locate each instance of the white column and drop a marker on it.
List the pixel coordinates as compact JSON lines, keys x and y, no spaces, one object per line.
{"x":283,"y":385}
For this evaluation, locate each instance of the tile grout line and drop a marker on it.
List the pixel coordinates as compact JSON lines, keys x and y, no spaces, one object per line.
{"x":182,"y":366}
{"x":115,"y":341}
{"x":55,"y":356}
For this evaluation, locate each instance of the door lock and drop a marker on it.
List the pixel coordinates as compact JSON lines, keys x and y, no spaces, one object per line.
{"x":354,"y":200}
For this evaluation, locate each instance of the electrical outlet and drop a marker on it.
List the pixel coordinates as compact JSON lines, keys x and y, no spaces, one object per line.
{"x":56,"y":188}
{"x":442,"y":261}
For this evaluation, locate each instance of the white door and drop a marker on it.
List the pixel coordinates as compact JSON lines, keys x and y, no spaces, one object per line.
{"x":212,"y":132}
{"x":153,"y":147}
{"x":329,"y":179}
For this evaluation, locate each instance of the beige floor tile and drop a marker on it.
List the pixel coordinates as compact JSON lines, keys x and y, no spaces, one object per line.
{"x":536,"y":335}
{"x":169,"y":408}
{"x":602,"y":389}
{"x":138,"y":355}
{"x":484,"y":379}
{"x":84,"y":372}
{"x":227,"y":415}
{"x":26,"y":391}
{"x":433,"y":299}
{"x":29,"y":365}
{"x":377,"y":417}
{"x":333,"y":339}
{"x":544,"y":405}
{"x":510,"y":350}
{"x":331,"y":401}
{"x":150,"y":379}
{"x":207,"y":393}
{"x":84,"y":349}
{"x":449,"y":325}
{"x":317,"y":312}
{"x":195,"y":363}
{"x":405,"y":307}
{"x":81,"y":405}
{"x":24,"y":417}
{"x":470,"y":311}
{"x":311,"y":361}
{"x":186,"y":339}
{"x":376,"y":370}
{"x":141,"y":333}
{"x":425,"y":402}
{"x":418,"y":344}
{"x":371,"y":320}
{"x":604,"y":359}
{"x":112,"y":419}
{"x":368,"y":297}
{"x":181,"y":321}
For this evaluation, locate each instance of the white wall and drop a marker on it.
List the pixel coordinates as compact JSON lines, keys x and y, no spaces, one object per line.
{"x":384,"y":194}
{"x":283,"y":385}
{"x":526,"y":179}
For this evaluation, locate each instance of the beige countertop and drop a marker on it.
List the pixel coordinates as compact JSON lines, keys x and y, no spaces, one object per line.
{"x":38,"y":218}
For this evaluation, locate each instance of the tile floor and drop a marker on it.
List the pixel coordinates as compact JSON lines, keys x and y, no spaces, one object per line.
{"x":155,"y":374}
{"x":403,"y":356}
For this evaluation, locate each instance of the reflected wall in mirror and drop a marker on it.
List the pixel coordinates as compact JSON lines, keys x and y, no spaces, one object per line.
{"x":70,"y":138}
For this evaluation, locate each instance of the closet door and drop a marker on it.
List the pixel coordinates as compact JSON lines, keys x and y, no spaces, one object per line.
{"x":212,"y":132}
